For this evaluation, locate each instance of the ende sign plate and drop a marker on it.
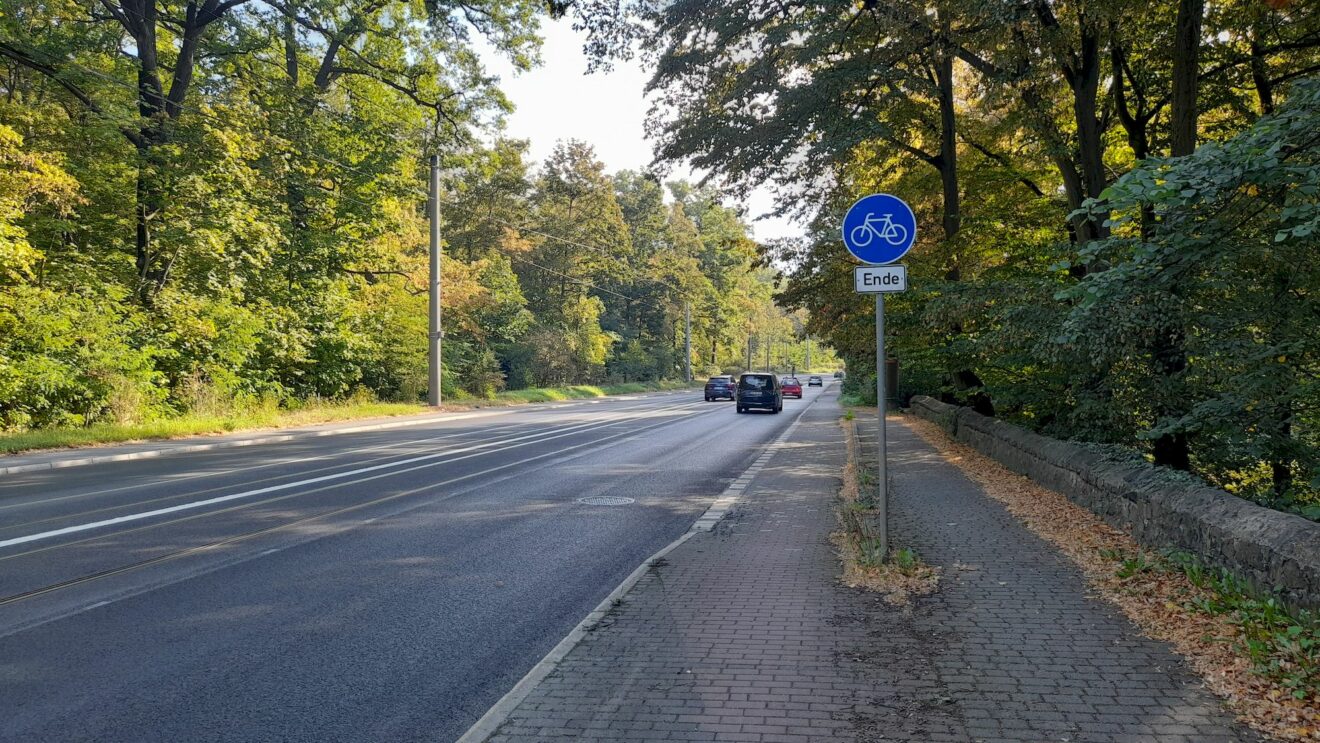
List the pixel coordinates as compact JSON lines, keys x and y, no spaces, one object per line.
{"x":880,"y":279}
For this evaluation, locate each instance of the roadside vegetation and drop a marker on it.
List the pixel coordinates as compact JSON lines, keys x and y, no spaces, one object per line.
{"x":231,"y":230}
{"x":1118,"y":206}
{"x":1260,"y":657}
{"x":275,"y":415}
{"x":898,"y":576}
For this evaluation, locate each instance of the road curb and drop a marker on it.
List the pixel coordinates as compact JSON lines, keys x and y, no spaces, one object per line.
{"x":284,"y":437}
{"x":499,"y":713}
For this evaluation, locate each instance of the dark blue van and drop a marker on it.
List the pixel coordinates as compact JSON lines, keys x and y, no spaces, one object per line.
{"x":759,"y":391}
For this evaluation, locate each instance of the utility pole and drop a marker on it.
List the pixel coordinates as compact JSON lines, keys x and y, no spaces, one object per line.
{"x":687,"y":341}
{"x":433,"y":332}
{"x":770,"y":342}
{"x":807,"y":365}
{"x":749,"y":353}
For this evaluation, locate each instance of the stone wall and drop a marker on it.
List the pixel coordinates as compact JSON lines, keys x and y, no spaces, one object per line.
{"x":1274,"y":550}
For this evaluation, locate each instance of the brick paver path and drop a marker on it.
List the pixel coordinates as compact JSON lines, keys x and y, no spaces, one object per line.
{"x":745,"y":634}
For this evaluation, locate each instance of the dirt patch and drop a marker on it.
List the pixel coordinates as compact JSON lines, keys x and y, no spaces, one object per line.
{"x":1160,"y":602}
{"x":898,"y":579}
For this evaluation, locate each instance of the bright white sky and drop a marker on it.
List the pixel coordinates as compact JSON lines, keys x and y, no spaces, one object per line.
{"x":559,"y":100}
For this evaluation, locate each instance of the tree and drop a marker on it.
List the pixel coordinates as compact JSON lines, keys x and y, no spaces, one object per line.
{"x":1225,"y":261}
{"x":170,"y":44}
{"x":26,"y":181}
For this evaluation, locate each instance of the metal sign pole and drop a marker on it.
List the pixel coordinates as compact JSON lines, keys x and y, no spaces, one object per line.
{"x":882,"y":499}
{"x":878,"y":230}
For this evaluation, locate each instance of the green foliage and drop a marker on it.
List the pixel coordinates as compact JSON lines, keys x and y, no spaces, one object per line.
{"x":26,"y":181}
{"x":1283,"y":644}
{"x":244,"y":228}
{"x":905,"y":559}
{"x":72,"y":358}
{"x":1133,"y":566}
{"x":1224,"y":264}
{"x":1167,"y":310}
{"x":870,"y":554}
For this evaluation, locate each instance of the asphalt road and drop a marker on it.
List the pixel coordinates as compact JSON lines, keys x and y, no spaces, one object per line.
{"x":388,"y":585}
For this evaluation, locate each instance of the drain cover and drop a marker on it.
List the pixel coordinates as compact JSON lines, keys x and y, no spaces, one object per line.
{"x":605,"y":500}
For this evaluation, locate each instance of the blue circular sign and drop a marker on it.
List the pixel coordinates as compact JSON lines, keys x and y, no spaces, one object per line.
{"x":879,"y":228}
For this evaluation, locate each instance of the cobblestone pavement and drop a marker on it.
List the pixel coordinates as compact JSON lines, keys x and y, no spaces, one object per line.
{"x":745,"y":634}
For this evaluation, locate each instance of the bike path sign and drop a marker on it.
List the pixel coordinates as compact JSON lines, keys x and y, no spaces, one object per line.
{"x":879,"y":229}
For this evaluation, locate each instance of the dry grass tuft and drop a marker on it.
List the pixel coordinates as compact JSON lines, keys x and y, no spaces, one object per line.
{"x":1160,"y":602}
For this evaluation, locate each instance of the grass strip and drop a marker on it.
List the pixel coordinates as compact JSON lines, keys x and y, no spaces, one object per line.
{"x":311,"y":414}
{"x":901,"y":576}
{"x":584,"y":391}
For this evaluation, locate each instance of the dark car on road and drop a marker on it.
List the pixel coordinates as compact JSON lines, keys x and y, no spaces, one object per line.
{"x":791,"y":387}
{"x":759,"y":391}
{"x":721,"y":387}
{"x":815,"y":381}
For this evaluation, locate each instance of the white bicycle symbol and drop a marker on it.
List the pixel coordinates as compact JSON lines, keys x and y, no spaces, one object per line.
{"x":882,"y":227}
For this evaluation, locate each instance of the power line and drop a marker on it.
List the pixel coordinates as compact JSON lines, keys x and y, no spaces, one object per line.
{"x":585,"y":246}
{"x":573,"y":279}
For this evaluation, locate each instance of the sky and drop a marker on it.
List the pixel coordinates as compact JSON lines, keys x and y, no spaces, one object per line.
{"x":559,"y":100}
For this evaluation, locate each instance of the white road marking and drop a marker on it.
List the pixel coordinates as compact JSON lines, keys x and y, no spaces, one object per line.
{"x":299,"y":460}
{"x":538,"y":437}
{"x":559,"y":457}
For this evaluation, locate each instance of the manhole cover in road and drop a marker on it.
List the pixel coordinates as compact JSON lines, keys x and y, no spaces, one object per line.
{"x":605,"y":500}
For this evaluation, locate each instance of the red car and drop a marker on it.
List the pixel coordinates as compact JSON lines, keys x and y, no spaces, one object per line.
{"x":791,"y":387}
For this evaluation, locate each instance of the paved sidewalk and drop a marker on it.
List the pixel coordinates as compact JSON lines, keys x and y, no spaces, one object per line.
{"x":745,"y":634}
{"x":1020,"y":645}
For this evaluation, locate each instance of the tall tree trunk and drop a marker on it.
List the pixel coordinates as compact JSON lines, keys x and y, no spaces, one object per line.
{"x":1260,"y":77}
{"x":1186,"y":69}
{"x":1081,"y":166}
{"x":946,"y":162}
{"x":1169,"y":352}
{"x":1170,"y":358}
{"x":1090,"y":134}
{"x":1136,"y":123}
{"x":948,"y":158}
{"x":158,"y":108}
{"x":1279,"y":443}
{"x":142,"y":212}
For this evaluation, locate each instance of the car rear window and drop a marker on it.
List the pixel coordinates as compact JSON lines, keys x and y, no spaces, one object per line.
{"x":791,"y":380}
{"x":720,"y":380}
{"x":755,"y":382}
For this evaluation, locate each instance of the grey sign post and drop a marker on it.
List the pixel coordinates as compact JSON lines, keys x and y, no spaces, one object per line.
{"x":878,"y":230}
